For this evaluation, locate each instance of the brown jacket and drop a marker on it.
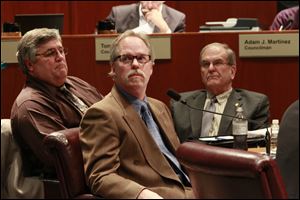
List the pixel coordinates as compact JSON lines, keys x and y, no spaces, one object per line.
{"x":120,"y":156}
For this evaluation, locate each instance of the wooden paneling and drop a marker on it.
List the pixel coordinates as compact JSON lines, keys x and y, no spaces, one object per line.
{"x":278,"y":78}
{"x":81,"y":16}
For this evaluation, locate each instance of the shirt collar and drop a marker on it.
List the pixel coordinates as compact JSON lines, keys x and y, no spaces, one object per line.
{"x":42,"y":85}
{"x":135,"y":102}
{"x":224,"y":96}
{"x":221,"y":97}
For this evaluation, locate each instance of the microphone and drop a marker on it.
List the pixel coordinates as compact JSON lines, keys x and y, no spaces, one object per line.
{"x":174,"y":95}
{"x":177,"y":97}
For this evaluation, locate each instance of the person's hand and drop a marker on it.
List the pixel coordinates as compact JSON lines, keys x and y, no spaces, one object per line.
{"x":148,"y":194}
{"x":155,"y":17}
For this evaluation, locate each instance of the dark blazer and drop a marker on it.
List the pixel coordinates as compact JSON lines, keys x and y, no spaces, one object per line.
{"x":188,"y":121}
{"x":126,"y":17}
{"x":287,"y":155}
{"x":120,"y":156}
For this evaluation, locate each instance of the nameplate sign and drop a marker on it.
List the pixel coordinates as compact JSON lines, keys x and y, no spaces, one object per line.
{"x":161,"y":46}
{"x":269,"y":45}
{"x":9,"y":50}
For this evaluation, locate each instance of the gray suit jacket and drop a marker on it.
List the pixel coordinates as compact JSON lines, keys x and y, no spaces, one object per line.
{"x":287,"y":155}
{"x":120,"y":156}
{"x":126,"y":17}
{"x":188,"y":121}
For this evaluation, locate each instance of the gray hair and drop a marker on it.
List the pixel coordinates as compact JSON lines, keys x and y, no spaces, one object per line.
{"x":29,"y":43}
{"x":115,"y":50}
{"x":231,"y":58}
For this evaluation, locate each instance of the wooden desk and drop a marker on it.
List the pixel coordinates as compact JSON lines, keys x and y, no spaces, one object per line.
{"x":278,"y":78}
{"x":261,"y":150}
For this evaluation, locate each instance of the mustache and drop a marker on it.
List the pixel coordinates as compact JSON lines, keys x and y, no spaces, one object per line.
{"x":135,"y":72}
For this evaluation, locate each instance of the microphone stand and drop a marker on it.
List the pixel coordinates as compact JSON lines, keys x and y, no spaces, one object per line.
{"x":194,"y":108}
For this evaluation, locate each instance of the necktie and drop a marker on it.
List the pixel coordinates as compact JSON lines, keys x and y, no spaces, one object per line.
{"x":74,"y":99}
{"x":154,"y":131}
{"x":208,"y":118}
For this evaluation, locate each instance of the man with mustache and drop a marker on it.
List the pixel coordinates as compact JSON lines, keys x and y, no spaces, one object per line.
{"x":147,"y":17}
{"x":128,"y":139}
{"x":218,"y":69}
{"x":42,"y":106}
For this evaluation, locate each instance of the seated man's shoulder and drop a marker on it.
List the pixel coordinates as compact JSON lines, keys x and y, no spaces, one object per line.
{"x":289,"y":11}
{"x":78,"y":81}
{"x":28,"y":94}
{"x":158,"y":104}
{"x":173,"y":11}
{"x":124,"y":8}
{"x":250,"y":94}
{"x":192,"y":94}
{"x":155,"y":101}
{"x":75,"y":78}
{"x":188,"y":96}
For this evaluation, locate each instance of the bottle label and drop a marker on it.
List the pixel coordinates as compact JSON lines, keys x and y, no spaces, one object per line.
{"x":240,"y":128}
{"x":274,"y":135}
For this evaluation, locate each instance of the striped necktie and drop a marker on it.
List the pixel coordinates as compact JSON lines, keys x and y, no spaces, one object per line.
{"x":207,"y":117}
{"x":154,"y":131}
{"x":74,"y":99}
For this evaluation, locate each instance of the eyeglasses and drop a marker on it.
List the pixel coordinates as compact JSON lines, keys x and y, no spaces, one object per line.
{"x":128,"y":59}
{"x":215,"y":63}
{"x":53,"y":52}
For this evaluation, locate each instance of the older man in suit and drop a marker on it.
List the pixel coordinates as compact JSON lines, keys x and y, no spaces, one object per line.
{"x":148,"y":17}
{"x":218,"y":69}
{"x":128,"y":139}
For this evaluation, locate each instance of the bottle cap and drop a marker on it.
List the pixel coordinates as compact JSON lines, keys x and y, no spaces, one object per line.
{"x":275,"y":121}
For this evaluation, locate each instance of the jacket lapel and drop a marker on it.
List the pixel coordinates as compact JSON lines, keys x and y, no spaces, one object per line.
{"x":133,"y":21}
{"x":171,"y":143}
{"x":140,"y":131}
{"x":196,"y":115}
{"x":160,"y":119}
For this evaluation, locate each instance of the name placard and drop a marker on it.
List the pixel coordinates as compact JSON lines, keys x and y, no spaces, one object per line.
{"x":8,"y":51}
{"x":161,"y":47}
{"x":269,"y":45}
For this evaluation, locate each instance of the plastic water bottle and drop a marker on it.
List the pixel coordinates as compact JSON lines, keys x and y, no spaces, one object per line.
{"x":274,"y":136}
{"x":240,"y":130}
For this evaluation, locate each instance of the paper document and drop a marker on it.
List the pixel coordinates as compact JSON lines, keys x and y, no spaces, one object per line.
{"x":259,"y":133}
{"x":230,"y":22}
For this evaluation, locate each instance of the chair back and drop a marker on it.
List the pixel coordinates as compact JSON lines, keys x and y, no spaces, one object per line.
{"x":218,"y":172}
{"x":65,"y":147}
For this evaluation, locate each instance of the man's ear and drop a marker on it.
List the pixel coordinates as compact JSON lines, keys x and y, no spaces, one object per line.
{"x":233,"y":71}
{"x":29,"y":65}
